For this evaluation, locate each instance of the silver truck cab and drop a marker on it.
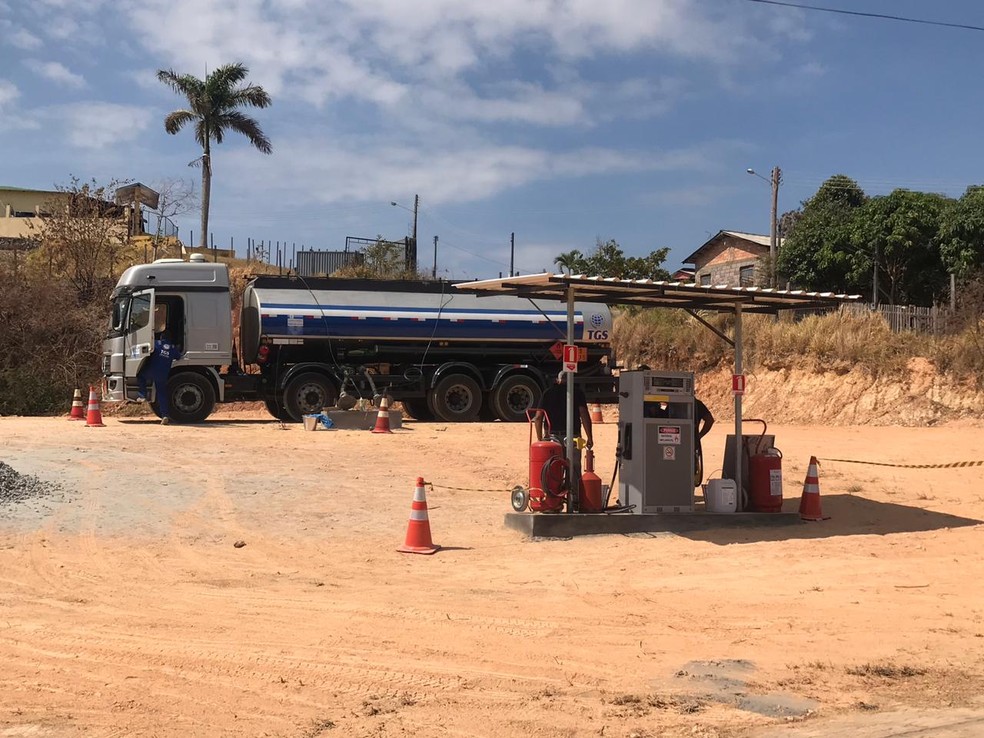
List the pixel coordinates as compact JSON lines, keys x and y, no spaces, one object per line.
{"x":187,"y":302}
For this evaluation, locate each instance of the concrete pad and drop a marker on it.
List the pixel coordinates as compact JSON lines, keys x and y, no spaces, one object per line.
{"x":562,"y":525}
{"x":360,"y":420}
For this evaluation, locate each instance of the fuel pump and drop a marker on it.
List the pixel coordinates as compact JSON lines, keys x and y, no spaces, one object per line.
{"x":656,"y":425}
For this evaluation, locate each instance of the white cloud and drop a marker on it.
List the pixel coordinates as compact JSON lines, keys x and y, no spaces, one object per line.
{"x":56,"y":72}
{"x":12,"y":119}
{"x":8,"y":93}
{"x":312,"y":171}
{"x":323,"y":50}
{"x":97,"y":125}
{"x":20,"y":38}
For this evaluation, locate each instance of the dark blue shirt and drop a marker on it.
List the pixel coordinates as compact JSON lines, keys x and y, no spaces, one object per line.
{"x":165,"y":353}
{"x":554,"y":404}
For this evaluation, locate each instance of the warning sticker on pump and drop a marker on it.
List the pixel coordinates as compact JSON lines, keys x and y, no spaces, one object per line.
{"x":669,"y":453}
{"x":669,"y":434}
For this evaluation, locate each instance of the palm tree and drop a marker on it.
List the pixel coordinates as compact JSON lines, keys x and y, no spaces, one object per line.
{"x":569,"y":260}
{"x":213,"y":105}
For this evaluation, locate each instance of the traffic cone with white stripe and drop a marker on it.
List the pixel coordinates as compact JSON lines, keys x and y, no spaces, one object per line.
{"x":596,"y":416}
{"x":383,"y":417}
{"x":94,"y":418}
{"x":418,"y":539}
{"x":77,"y":413}
{"x":810,"y":502}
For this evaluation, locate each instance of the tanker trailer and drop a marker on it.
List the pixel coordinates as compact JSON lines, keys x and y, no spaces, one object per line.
{"x":443,"y":354}
{"x":307,"y":343}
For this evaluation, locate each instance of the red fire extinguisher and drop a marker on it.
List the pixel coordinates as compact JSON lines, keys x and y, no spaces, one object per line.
{"x":549,"y":476}
{"x":591,"y":501}
{"x":764,"y":475}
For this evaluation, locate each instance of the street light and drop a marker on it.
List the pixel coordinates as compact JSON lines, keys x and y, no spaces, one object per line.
{"x":411,"y":256}
{"x":774,"y":225}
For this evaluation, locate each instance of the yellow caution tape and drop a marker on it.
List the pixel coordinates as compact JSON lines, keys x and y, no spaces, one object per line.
{"x":950,"y":465}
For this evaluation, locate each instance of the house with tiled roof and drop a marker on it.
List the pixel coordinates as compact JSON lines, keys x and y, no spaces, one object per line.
{"x":731,"y":258}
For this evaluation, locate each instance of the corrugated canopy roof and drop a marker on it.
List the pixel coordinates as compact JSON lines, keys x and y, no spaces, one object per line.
{"x":648,"y":293}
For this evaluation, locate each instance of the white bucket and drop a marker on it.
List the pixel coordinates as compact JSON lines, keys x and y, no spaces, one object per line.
{"x":721,"y":496}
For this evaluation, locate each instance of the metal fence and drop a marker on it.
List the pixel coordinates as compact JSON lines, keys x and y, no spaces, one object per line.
{"x":323,"y":263}
{"x":900,"y":318}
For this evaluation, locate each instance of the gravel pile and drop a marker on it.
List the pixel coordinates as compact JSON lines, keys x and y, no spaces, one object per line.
{"x":16,"y":487}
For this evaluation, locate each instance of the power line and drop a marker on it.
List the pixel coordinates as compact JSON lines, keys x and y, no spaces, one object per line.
{"x":881,"y":16}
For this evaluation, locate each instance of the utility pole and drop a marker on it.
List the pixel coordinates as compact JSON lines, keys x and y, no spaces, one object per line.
{"x":774,"y":234}
{"x":413,"y":255}
{"x":512,"y":253}
{"x":434,"y":270}
{"x":874,"y":279}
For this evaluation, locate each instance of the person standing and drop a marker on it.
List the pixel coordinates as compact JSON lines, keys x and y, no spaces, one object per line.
{"x":703,"y":420}
{"x":553,"y":409}
{"x":156,"y":371}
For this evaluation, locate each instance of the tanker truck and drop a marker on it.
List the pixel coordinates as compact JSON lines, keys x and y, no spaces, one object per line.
{"x":305,"y":344}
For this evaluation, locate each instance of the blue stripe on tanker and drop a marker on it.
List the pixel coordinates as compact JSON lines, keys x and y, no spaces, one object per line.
{"x":471,"y":328}
{"x":270,"y":307}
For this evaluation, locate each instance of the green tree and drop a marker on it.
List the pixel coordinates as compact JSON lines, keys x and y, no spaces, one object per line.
{"x":214,"y":107}
{"x":570,"y":261}
{"x":899,"y":232}
{"x":961,"y":236}
{"x":819,"y":252}
{"x":608,"y":260}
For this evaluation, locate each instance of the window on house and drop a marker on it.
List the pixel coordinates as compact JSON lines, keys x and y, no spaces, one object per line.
{"x":705,"y":280}
{"x":746,"y":276}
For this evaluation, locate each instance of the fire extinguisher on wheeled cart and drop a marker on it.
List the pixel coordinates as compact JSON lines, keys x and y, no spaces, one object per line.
{"x":550,"y":477}
{"x":764,"y":473}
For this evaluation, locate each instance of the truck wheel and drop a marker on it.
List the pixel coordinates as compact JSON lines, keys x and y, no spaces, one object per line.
{"x":276,"y":409}
{"x":514,"y":396}
{"x":418,"y":409}
{"x":457,"y":399}
{"x":192,"y":397}
{"x":308,"y":394}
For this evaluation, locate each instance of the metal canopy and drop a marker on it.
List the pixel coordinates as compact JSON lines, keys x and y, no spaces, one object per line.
{"x":649,"y":293}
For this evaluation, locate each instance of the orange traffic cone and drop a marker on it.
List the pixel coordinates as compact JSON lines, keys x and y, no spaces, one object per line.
{"x":596,"y":416}
{"x":383,"y":417}
{"x":418,"y":529}
{"x":94,"y":417}
{"x":77,"y":412}
{"x":810,"y":502}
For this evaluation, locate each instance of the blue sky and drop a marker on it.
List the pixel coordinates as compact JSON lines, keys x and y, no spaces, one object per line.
{"x":563,"y":121}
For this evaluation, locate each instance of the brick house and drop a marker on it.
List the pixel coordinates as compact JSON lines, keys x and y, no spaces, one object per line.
{"x":730,"y":258}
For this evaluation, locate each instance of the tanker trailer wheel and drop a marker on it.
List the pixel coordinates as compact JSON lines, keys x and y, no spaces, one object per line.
{"x":276,"y":409}
{"x":418,"y":409}
{"x":192,"y":397}
{"x":514,"y":396}
{"x":308,"y":394}
{"x":457,"y":399}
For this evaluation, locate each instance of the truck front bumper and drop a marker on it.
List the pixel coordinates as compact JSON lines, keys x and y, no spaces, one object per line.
{"x":113,"y":389}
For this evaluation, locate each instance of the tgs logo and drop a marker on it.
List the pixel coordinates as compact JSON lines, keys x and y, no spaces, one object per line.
{"x":597,"y":320}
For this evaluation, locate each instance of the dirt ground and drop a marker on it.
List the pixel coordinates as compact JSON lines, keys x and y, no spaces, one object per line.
{"x":126,"y":609}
